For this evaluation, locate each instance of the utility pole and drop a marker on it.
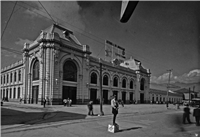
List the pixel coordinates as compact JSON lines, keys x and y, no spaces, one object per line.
{"x":167,"y":105}
{"x":189,"y":96}
{"x":100,"y":86}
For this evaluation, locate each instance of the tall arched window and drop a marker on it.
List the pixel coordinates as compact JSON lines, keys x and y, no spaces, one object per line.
{"x":105,"y":80}
{"x":19,"y":75}
{"x":115,"y":82}
{"x":11,"y":77}
{"x":18,"y":92}
{"x":124,"y":83}
{"x":36,"y":70}
{"x":131,"y":84}
{"x":142,"y":83}
{"x":69,"y":71}
{"x":15,"y":76}
{"x":93,"y":78}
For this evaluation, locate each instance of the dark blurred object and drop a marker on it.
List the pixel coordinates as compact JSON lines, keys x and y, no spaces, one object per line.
{"x":1,"y":103}
{"x":127,"y":9}
{"x":186,"y":114}
{"x":196,"y":114}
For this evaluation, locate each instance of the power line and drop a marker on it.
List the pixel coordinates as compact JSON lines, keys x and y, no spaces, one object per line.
{"x":9,"y":19}
{"x":47,"y":11}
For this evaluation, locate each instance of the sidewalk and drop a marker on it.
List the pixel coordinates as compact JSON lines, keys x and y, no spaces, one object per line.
{"x":82,"y":109}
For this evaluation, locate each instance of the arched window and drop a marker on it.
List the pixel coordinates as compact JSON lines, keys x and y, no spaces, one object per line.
{"x":19,"y":75}
{"x":142,"y":82}
{"x":69,"y":71}
{"x":18,"y":92}
{"x":105,"y":80}
{"x":93,"y":78}
{"x":10,"y":92}
{"x":36,"y":70}
{"x":115,"y":82}
{"x":7,"y":78}
{"x":15,"y":76}
{"x":11,"y":77}
{"x":14,"y":93}
{"x":131,"y":84}
{"x":124,"y":83}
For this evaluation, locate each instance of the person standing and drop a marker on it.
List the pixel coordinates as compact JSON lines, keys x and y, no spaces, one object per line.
{"x":44,"y":102}
{"x":196,"y":114}
{"x":186,"y":114}
{"x":90,"y":108}
{"x":115,"y":107}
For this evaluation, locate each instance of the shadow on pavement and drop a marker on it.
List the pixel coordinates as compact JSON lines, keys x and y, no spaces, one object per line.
{"x":127,"y":129}
{"x":11,"y":117}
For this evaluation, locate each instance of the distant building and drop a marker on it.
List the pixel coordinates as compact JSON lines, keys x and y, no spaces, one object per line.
{"x":56,"y":67}
{"x":161,"y":96}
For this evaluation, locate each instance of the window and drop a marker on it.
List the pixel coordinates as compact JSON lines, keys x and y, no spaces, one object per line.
{"x":1,"y":79}
{"x":115,"y":82}
{"x":69,"y":71}
{"x":15,"y":76}
{"x":18,"y":92}
{"x":10,"y":92}
{"x":4,"y":79}
{"x":35,"y":70}
{"x":124,"y":83}
{"x":142,"y":83}
{"x":131,"y":84}
{"x":94,"y":78}
{"x":7,"y":78}
{"x":11,"y":77}
{"x":19,"y":75}
{"x":105,"y":80}
{"x":14,"y":93}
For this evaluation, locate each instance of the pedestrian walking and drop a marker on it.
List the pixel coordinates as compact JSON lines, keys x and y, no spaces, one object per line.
{"x":20,"y":100}
{"x":65,"y":102}
{"x":196,"y":114}
{"x":115,"y":107}
{"x":186,"y":114}
{"x":70,"y":102}
{"x":44,"y":102}
{"x":90,"y":108}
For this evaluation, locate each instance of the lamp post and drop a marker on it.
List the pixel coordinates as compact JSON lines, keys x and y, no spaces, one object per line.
{"x":100,"y":86}
{"x":167,"y":105}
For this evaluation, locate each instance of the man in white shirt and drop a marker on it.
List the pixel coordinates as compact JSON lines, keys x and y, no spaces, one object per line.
{"x":115,"y":107}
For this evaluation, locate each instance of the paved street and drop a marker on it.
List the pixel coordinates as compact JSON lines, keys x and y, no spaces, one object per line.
{"x":21,"y":120}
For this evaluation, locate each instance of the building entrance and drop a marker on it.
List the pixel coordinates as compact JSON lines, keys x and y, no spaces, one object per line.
{"x":116,"y":94}
{"x":93,"y":95}
{"x":105,"y":96}
{"x":69,"y":92}
{"x":141,"y":97}
{"x":35,"y":91}
{"x":124,"y":97}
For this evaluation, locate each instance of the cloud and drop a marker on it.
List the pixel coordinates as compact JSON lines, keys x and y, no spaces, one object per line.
{"x":191,"y":77}
{"x":65,"y":13}
{"x":22,"y":41}
{"x":10,"y":54}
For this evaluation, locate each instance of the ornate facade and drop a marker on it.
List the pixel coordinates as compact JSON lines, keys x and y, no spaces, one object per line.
{"x":56,"y":66}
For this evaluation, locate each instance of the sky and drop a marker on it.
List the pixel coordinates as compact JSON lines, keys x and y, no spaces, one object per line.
{"x":162,"y":35}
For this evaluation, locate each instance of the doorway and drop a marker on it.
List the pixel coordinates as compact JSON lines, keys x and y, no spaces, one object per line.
{"x":35,"y":91}
{"x":116,"y":94}
{"x":69,"y":92}
{"x":93,"y":95}
{"x":105,"y":96}
{"x":141,"y":97}
{"x":124,"y":97}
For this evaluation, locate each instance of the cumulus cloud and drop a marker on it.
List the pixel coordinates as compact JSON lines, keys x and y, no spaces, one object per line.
{"x":191,"y":77}
{"x":22,"y":41}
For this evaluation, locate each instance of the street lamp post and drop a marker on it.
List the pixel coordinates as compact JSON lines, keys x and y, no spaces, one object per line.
{"x":100,"y":86}
{"x":167,"y":105}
